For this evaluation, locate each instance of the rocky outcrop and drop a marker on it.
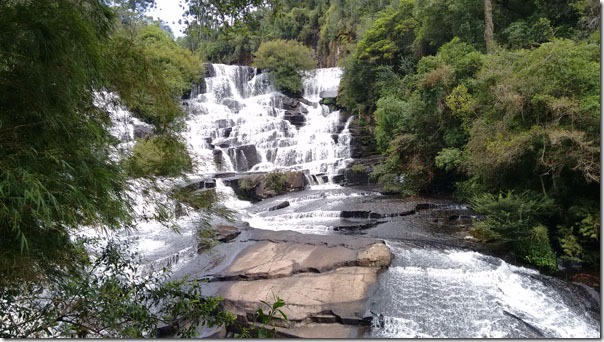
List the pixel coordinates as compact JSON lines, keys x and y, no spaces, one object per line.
{"x":325,"y":281}
{"x":256,"y":188}
{"x":295,"y":113}
{"x":243,"y":157}
{"x":362,"y":142}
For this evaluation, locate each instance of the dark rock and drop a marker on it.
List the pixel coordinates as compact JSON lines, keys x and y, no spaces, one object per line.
{"x":335,"y":138}
{"x":331,"y":94}
{"x":209,"y":68}
{"x":281,"y":205}
{"x":243,"y":157}
{"x":296,"y":119}
{"x":424,"y":206}
{"x":307,"y":102}
{"x":143,"y":130}
{"x":354,"y":214}
{"x":338,"y":179}
{"x":227,"y":132}
{"x":289,"y":103}
{"x":217,"y":156}
{"x":254,"y":186}
{"x":362,"y":141}
{"x":166,"y":331}
{"x":226,"y":233}
{"x":326,"y":319}
{"x":200,"y":184}
{"x":295,"y":181}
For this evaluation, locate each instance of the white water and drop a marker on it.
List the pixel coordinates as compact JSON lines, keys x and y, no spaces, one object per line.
{"x":425,"y":293}
{"x":240,"y":121}
{"x":451,"y":293}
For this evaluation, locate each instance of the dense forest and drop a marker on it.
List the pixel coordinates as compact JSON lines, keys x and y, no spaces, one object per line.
{"x":494,"y":101}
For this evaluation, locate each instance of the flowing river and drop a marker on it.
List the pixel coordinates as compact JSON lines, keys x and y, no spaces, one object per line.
{"x":436,"y":286}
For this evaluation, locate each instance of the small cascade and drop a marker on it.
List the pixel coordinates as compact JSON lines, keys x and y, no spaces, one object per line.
{"x":240,"y":123}
{"x":459,"y":294}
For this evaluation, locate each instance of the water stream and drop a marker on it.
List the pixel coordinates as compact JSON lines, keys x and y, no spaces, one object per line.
{"x":435,"y":287}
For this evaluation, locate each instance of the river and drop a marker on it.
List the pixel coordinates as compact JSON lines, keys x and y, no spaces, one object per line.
{"x":437,"y":286}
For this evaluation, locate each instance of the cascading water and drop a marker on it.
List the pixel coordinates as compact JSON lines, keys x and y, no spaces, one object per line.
{"x":237,"y":122}
{"x":240,"y":123}
{"x":459,"y":294}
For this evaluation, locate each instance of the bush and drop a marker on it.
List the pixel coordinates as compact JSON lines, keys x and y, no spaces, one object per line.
{"x":158,"y":156}
{"x":358,"y":168}
{"x":518,"y":221}
{"x":277,"y":182}
{"x":286,"y":61}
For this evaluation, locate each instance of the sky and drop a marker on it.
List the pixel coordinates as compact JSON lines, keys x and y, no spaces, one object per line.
{"x":169,"y":11}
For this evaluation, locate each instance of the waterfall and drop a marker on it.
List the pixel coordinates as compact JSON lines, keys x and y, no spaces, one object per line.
{"x":241,"y":123}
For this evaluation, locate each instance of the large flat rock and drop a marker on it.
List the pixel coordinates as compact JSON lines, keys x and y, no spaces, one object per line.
{"x":341,"y":292}
{"x":325,"y":281}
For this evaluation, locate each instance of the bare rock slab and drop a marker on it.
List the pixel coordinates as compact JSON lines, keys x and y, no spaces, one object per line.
{"x":342,"y":291}
{"x":324,"y":280}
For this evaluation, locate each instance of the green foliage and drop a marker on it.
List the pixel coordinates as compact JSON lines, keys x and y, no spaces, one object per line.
{"x":55,"y":173}
{"x":518,"y":220}
{"x":112,"y":296}
{"x":158,"y":156}
{"x":276,"y":181}
{"x":249,"y":183}
{"x":358,"y":168}
{"x":286,"y":60}
{"x":206,"y":239}
{"x":150,"y":72}
{"x":448,"y":159}
{"x":267,"y":327}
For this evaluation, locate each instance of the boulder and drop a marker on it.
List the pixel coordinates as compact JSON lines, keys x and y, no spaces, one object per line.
{"x":295,"y":181}
{"x":289,"y":103}
{"x":295,"y":118}
{"x":281,"y":205}
{"x":243,"y":157}
{"x":226,"y":233}
{"x":328,"y":94}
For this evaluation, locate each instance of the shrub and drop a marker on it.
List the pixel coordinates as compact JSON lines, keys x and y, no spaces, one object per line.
{"x":358,"y":168}
{"x":158,"y":156}
{"x":518,"y":221}
{"x":286,"y":61}
{"x":277,"y":182}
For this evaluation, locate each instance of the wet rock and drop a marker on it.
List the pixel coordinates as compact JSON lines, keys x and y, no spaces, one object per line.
{"x":243,"y":157}
{"x":358,"y":172}
{"x":254,"y":187}
{"x":296,"y":119}
{"x":143,"y":130}
{"x":224,"y":123}
{"x":331,"y":94}
{"x":362,"y":141}
{"x":281,"y":205}
{"x":225,"y":233}
{"x":289,"y":103}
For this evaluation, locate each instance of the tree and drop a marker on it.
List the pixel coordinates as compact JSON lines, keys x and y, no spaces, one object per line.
{"x":286,"y":60}
{"x":111,"y":295}
{"x":55,"y":173}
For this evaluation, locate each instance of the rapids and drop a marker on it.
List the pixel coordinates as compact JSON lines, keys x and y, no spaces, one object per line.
{"x":436,"y":286}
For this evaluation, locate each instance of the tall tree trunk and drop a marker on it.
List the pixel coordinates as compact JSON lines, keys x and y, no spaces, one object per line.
{"x":488,"y":25}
